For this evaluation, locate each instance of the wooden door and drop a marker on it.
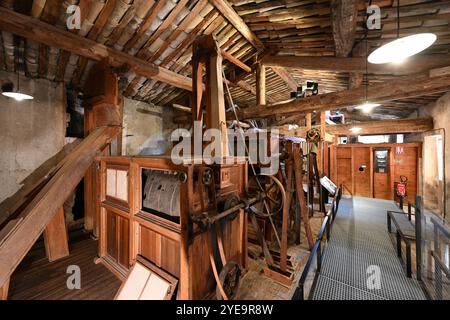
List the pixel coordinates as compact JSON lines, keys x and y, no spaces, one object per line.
{"x":382,"y":184}
{"x":344,"y":169}
{"x":361,"y":171}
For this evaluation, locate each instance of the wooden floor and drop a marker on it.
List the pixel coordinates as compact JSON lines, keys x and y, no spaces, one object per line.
{"x":38,"y":279}
{"x":257,"y":286}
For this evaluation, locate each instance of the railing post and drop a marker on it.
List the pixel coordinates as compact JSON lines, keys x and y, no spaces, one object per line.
{"x":389,"y":223}
{"x":401,"y":203}
{"x":299,"y":293}
{"x":409,"y":210}
{"x":319,"y":257}
{"x":418,"y":227}
{"x":399,"y":245}
{"x":328,"y":228}
{"x":408,"y":260}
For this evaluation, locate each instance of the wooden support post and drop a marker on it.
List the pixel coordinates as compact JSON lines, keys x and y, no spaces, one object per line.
{"x":286,"y":209}
{"x":308,"y":121}
{"x":261,"y":85}
{"x":322,"y":125}
{"x":215,"y":102}
{"x":4,"y":291}
{"x":301,"y":193}
{"x":55,"y":237}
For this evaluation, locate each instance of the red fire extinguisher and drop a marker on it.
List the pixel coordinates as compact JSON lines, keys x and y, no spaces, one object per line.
{"x":401,"y":186}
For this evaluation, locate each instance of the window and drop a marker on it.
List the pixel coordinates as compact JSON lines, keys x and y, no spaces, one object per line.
{"x":117,"y":184}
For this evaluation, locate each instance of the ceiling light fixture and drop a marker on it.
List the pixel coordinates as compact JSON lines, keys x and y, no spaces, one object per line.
{"x":400,"y":49}
{"x":355,"y":130}
{"x":367,"y":107}
{"x":8,"y":88}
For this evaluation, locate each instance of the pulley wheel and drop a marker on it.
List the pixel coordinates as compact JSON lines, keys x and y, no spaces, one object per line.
{"x":271,"y":192}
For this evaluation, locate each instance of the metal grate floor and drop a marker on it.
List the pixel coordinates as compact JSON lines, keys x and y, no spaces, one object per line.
{"x":359,"y":242}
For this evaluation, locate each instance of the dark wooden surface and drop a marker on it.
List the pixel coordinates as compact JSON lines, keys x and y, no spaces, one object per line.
{"x":38,"y":279}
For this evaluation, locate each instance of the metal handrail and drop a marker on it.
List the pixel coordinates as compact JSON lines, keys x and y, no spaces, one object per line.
{"x":399,"y":237}
{"x":441,"y":264}
{"x":437,"y":223}
{"x":317,"y":250}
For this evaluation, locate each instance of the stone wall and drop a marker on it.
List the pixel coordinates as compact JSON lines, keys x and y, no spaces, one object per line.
{"x":147,"y":129}
{"x":30,"y":131}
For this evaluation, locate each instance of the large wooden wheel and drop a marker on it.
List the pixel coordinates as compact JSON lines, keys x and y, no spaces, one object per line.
{"x":271,"y":193}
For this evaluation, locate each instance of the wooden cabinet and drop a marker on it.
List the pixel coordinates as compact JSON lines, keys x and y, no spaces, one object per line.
{"x":145,"y":206}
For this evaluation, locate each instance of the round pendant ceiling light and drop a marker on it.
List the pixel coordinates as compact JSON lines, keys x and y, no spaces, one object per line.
{"x":399,"y":50}
{"x":8,"y":88}
{"x":8,"y":91}
{"x":17,"y":96}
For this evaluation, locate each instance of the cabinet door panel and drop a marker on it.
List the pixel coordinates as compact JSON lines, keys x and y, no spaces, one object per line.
{"x":111,"y":235}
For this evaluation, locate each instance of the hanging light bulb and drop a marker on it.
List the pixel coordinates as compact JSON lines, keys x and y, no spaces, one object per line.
{"x":367,"y":107}
{"x":355,"y":129}
{"x":400,"y":49}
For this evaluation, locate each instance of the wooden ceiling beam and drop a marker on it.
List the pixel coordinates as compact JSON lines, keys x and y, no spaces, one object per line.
{"x":377,"y":93}
{"x":286,"y":77}
{"x":235,"y":19}
{"x":44,"y":33}
{"x":371,"y":127}
{"x":344,"y":15}
{"x":413,"y":65}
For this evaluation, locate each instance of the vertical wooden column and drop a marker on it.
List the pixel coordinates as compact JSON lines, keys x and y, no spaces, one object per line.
{"x":215,"y":107}
{"x":260,"y":84}
{"x":298,"y":168}
{"x":4,"y":291}
{"x":55,"y":237}
{"x":308,"y":121}
{"x":103,"y":107}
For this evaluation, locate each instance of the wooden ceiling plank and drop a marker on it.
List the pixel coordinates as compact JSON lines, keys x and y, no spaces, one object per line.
{"x":228,"y":12}
{"x":286,"y":77}
{"x":52,"y":36}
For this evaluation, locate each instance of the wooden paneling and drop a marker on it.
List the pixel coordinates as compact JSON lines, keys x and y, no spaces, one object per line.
{"x":118,"y":238}
{"x":361,"y":179}
{"x":344,"y":174}
{"x":346,"y":160}
{"x":161,"y":250}
{"x":344,"y":153}
{"x":111,"y":236}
